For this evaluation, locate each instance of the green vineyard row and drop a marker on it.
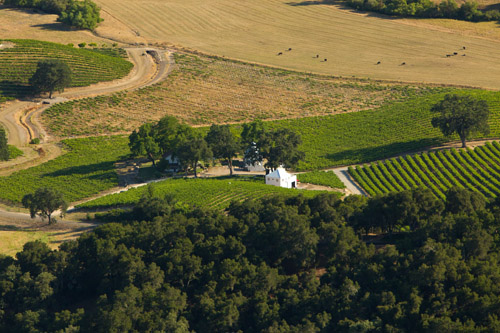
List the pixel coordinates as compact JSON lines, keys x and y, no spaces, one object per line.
{"x":477,"y":170}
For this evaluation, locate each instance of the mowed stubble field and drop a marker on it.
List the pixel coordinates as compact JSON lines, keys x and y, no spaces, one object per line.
{"x":352,"y":42}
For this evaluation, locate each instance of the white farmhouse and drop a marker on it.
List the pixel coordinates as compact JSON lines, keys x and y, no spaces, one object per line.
{"x":280,"y":177}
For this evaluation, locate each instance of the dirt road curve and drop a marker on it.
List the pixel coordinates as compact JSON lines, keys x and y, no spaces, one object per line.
{"x":20,"y":117}
{"x":145,"y":72}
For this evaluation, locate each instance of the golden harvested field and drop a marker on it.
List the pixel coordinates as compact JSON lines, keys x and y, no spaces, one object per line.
{"x":205,"y":90}
{"x":352,"y":42}
{"x":28,"y":24}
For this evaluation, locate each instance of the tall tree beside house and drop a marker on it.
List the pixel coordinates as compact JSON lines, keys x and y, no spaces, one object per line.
{"x":142,"y":142}
{"x":250,"y":135}
{"x":169,"y":134}
{"x":50,"y":75}
{"x":157,"y":140}
{"x":223,"y":144}
{"x":462,"y":115}
{"x":281,"y":147}
{"x":192,"y":151}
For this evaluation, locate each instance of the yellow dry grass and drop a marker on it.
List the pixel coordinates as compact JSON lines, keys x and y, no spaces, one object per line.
{"x":205,"y":90}
{"x":27,"y":24}
{"x":12,"y":241}
{"x":352,"y":42}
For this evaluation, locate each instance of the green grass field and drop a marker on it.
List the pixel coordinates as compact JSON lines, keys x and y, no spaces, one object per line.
{"x":477,"y":170}
{"x":205,"y":90}
{"x":214,"y":193}
{"x":86,"y":169}
{"x":18,"y":63}
{"x":325,"y":178}
{"x":352,"y":42}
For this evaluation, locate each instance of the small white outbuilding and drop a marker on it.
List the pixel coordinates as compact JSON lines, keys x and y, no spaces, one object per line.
{"x":281,"y":178}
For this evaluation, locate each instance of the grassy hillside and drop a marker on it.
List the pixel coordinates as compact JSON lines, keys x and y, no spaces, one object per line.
{"x":477,"y":170}
{"x":204,"y":90}
{"x":214,"y":193}
{"x":352,"y":42}
{"x":18,"y":63}
{"x":86,"y":169}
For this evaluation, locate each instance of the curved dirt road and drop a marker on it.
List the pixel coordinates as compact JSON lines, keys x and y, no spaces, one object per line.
{"x":19,"y":117}
{"x":145,"y":72}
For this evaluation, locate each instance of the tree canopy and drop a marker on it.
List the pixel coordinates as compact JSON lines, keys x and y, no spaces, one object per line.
{"x":223,"y":144}
{"x":81,"y":14}
{"x":50,"y":75}
{"x":462,"y":115}
{"x":280,"y":147}
{"x":270,"y":265}
{"x":44,"y":202}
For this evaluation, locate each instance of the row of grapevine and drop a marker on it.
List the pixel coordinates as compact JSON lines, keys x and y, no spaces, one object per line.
{"x":477,"y":170}
{"x":18,"y":63}
{"x":204,"y":192}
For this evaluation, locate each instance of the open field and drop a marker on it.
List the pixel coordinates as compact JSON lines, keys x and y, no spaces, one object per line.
{"x":28,"y":24}
{"x":352,"y":42}
{"x":477,"y":170}
{"x":204,"y":90}
{"x":86,"y":169}
{"x":216,"y":193}
{"x":19,"y":59}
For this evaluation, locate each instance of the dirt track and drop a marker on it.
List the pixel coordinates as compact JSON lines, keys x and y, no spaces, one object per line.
{"x":20,"y":120}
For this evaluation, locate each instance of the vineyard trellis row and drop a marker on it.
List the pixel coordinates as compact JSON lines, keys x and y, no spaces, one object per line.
{"x":475,"y":169}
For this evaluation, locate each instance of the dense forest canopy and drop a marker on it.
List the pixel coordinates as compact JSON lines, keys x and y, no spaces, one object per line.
{"x":272,"y":265}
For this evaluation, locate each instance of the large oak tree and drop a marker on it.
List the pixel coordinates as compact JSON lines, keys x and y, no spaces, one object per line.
{"x":462,"y":115}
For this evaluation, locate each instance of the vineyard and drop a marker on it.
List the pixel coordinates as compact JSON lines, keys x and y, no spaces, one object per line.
{"x":85,"y":169}
{"x":18,"y":63}
{"x":477,"y":170}
{"x":366,"y":136}
{"x":204,"y":90}
{"x":209,"y":192}
{"x":325,"y":178}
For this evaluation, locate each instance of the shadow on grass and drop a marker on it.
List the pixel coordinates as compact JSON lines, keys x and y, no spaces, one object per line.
{"x":362,"y":155}
{"x":57,"y":26}
{"x":10,"y":228}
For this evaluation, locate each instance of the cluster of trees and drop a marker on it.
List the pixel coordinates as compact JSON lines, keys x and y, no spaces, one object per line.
{"x":169,"y":137}
{"x":271,"y":265}
{"x":468,"y":11}
{"x":79,"y":14}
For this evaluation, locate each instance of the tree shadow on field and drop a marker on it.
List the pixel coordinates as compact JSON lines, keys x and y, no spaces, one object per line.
{"x":107,"y":167}
{"x":14,"y":89}
{"x":56,"y":26}
{"x":369,"y":154}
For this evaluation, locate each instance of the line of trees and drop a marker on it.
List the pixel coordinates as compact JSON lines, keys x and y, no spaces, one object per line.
{"x":468,"y":11}
{"x":79,"y":14}
{"x":271,"y":265}
{"x":169,"y":137}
